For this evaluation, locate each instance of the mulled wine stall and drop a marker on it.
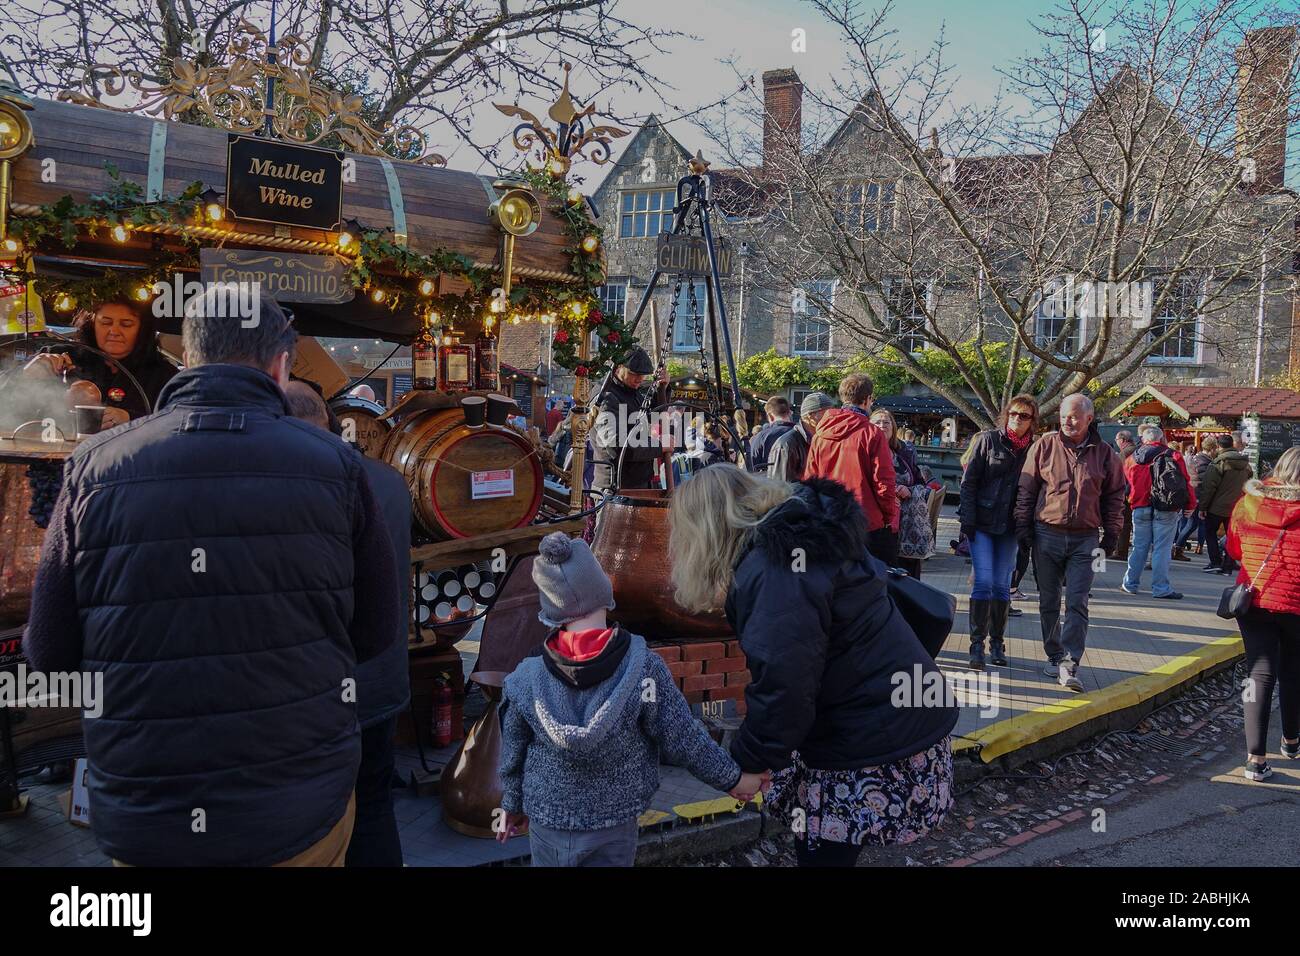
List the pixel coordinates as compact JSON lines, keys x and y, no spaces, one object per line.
{"x":252,"y":176}
{"x":360,"y":233}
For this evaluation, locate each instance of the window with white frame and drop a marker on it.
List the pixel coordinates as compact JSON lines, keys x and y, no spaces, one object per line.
{"x":811,"y":329}
{"x":646,"y":212}
{"x":613,"y":298}
{"x":906,"y":302}
{"x":864,"y":206}
{"x":690,"y":309}
{"x":1063,"y":305}
{"x":1179,"y":313}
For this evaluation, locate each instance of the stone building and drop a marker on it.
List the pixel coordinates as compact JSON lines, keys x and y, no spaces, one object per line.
{"x":1258,"y":335}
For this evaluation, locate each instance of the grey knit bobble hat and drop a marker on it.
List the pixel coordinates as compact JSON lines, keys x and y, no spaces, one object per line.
{"x":570,"y":581}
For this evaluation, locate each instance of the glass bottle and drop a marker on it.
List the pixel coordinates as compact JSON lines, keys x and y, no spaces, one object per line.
{"x":424,"y":360}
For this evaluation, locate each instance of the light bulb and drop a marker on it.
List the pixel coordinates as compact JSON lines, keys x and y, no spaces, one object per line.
{"x":590,"y":244}
{"x":378,"y":295}
{"x":426,"y":287}
{"x":346,"y":239}
{"x":215,"y":212}
{"x":120,"y":233}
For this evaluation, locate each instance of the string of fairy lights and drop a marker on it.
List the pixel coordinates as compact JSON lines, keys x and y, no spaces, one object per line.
{"x":199,"y":214}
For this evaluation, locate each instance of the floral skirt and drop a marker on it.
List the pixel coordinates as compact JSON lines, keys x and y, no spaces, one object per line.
{"x":897,"y":802}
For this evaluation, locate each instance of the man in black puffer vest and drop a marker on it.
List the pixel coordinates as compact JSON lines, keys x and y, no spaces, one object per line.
{"x":225,"y":567}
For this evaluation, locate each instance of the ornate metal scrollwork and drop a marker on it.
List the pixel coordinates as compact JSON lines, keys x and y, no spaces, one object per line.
{"x":233,"y":97}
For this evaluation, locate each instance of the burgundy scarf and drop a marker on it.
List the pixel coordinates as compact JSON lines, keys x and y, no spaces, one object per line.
{"x":1019,"y":444}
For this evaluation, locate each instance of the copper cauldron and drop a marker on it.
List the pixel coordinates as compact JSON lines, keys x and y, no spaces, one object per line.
{"x":631,"y":544}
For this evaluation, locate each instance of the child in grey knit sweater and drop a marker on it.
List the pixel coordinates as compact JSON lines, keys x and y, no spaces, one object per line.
{"x":584,"y":725}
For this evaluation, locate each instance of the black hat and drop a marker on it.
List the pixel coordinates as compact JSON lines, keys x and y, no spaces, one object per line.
{"x":639,"y":362}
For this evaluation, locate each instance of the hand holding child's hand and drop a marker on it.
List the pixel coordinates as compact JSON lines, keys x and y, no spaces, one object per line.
{"x":750,"y":784}
{"x":514,"y":823}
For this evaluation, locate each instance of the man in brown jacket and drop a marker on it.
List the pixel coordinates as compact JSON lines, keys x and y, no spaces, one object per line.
{"x":1071,"y":491}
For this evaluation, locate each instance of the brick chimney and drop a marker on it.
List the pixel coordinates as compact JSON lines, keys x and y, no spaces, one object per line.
{"x":1265,"y":62}
{"x":782,"y":116}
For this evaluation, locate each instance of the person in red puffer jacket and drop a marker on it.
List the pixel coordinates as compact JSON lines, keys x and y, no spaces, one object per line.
{"x":1264,"y":536}
{"x":848,"y":449}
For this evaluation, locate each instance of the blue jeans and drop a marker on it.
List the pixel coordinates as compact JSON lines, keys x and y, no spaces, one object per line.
{"x":612,"y":846}
{"x":1191,"y":524}
{"x":1153,"y":534}
{"x":993,"y":558}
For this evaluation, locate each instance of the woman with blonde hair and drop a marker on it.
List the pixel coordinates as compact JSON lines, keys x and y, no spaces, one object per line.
{"x":859,"y":757}
{"x":1264,"y":537}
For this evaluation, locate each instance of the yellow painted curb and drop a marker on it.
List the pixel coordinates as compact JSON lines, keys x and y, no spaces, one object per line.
{"x":1019,"y":731}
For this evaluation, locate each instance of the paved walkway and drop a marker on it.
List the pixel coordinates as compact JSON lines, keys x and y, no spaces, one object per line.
{"x":1129,"y":636}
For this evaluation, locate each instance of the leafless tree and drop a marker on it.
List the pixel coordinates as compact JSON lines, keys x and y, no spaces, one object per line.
{"x":429,"y":60}
{"x":1126,"y":152}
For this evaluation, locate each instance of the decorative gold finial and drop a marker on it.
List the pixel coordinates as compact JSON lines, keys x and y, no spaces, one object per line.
{"x":233,"y":97}
{"x":698,"y":165}
{"x":556,"y":150}
{"x":562,"y":110}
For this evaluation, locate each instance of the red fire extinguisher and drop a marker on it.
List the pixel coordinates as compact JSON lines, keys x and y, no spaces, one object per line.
{"x":442,"y":711}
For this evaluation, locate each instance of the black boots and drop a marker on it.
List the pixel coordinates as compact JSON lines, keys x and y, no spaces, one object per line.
{"x":979,"y":629}
{"x":998,"y":611}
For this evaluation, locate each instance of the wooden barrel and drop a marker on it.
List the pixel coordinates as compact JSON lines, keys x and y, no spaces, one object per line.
{"x":440,"y":457}
{"x":631,"y":544}
{"x":368,"y":429}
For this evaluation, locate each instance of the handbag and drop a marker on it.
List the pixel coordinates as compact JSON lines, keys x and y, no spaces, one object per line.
{"x":1237,"y":599}
{"x":929,"y":611}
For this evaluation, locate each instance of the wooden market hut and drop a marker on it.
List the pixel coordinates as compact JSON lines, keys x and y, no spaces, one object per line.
{"x":1189,"y":412}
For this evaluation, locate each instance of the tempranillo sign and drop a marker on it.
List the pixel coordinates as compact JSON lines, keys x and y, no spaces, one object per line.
{"x":270,"y":181}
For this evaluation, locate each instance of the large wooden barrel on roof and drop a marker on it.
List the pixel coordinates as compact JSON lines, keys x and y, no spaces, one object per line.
{"x":444,"y":208}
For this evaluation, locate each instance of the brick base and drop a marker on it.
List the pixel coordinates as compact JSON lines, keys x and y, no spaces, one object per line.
{"x":710,"y":671}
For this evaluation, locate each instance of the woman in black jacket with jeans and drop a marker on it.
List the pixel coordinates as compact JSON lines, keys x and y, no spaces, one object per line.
{"x":837,"y":704}
{"x":988,"y":502}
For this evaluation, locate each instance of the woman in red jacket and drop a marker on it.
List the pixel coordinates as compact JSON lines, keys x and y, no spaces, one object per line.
{"x":1264,"y":537}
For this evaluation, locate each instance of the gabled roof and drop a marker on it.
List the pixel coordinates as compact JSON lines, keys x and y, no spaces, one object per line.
{"x":1189,"y":402}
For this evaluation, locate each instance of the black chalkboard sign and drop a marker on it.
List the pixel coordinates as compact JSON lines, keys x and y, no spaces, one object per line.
{"x":270,"y":181}
{"x":1275,"y":437}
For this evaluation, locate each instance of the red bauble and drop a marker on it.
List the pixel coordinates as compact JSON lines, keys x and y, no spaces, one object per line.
{"x":561,"y":336}
{"x":580,"y":371}
{"x":612,"y":337}
{"x":596,"y":316}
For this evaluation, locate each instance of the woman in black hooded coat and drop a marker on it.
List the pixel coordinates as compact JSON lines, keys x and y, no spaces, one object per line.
{"x":844,"y":703}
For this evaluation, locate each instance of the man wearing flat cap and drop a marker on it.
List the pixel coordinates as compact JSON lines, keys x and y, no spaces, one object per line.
{"x":790,"y":452}
{"x":620,"y":423}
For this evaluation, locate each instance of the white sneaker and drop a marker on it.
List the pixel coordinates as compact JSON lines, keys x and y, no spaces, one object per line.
{"x":1067,"y":677}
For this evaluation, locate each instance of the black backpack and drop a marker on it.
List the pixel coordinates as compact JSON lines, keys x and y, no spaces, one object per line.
{"x":1168,"y":486}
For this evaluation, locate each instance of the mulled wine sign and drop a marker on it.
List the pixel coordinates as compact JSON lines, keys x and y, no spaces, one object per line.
{"x":287,"y":276}
{"x":271,"y":181}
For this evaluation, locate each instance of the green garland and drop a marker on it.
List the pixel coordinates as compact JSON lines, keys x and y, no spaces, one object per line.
{"x":573,"y":304}
{"x":614,"y":339}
